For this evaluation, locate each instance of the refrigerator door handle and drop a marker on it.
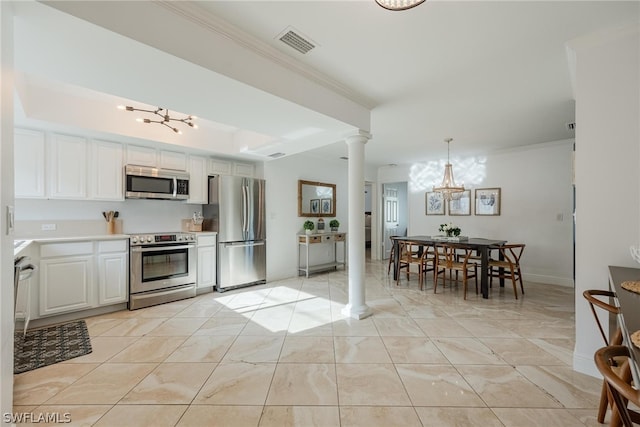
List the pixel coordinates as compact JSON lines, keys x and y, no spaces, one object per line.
{"x":245,"y":209}
{"x":242,"y":244}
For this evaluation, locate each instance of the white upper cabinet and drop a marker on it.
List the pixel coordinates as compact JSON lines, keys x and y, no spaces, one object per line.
{"x":198,"y":180}
{"x":219,"y":167}
{"x":142,"y":156}
{"x":29,"y":161}
{"x":106,"y":171}
{"x":68,"y":167}
{"x":173,"y":160}
{"x":243,"y":169}
{"x":225,"y":167}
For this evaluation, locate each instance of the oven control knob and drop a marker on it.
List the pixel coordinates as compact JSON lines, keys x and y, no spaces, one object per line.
{"x":134,"y":239}
{"x":149,"y":239}
{"x":179,"y":238}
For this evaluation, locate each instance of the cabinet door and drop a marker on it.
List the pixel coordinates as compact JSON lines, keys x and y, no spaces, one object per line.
{"x":197,"y":180}
{"x":141,"y":156}
{"x":106,"y":171}
{"x":220,"y":167}
{"x":65,"y":284}
{"x":112,"y":278}
{"x":206,"y":266}
{"x":29,"y":152}
{"x":173,"y":160}
{"x":68,"y":163}
{"x":243,"y":169}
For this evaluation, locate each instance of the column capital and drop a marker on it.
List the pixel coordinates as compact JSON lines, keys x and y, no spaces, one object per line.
{"x":358,"y":136}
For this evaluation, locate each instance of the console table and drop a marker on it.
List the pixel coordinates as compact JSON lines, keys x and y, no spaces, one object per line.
{"x":307,"y":241}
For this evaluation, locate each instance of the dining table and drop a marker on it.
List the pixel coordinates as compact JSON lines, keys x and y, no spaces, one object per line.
{"x":629,"y":317}
{"x":480,"y":245}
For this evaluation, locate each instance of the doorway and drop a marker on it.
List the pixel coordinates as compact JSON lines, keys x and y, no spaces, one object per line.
{"x":394,"y":214}
{"x":368,"y":187}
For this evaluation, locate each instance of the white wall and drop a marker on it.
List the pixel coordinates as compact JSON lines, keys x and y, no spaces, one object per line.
{"x":283,"y":223}
{"x":607,"y":170}
{"x":536,"y":188}
{"x":6,"y":199}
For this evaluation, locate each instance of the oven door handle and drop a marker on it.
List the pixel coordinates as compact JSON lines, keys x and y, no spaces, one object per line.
{"x":160,"y":248}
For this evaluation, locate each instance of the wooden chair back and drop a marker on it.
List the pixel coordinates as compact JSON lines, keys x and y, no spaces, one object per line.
{"x":619,"y":384}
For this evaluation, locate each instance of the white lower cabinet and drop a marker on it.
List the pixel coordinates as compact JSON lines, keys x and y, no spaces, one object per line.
{"x":113,"y":261}
{"x":82,"y":275}
{"x":206,"y":261}
{"x":65,"y":284}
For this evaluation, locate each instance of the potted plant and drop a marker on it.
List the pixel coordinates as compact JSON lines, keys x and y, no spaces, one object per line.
{"x":451,"y":231}
{"x":334,"y":224}
{"x":308,"y":226}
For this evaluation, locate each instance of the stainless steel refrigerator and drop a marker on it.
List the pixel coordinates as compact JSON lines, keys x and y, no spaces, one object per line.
{"x":236,"y":210}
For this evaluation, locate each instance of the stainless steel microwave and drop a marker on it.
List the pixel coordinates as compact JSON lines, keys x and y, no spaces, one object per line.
{"x":142,"y":182}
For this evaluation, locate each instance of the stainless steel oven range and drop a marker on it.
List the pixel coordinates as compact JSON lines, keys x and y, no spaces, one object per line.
{"x":162,"y":268}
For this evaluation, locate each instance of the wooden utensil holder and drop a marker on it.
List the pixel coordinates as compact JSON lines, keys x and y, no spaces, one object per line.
{"x":111,"y":227}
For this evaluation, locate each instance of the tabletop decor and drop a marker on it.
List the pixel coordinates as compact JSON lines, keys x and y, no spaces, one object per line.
{"x":308,"y":226}
{"x":334,"y":224}
{"x":451,"y":233}
{"x":450,"y":229}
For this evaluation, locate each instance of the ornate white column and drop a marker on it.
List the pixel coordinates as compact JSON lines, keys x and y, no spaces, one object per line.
{"x":357,"y":307}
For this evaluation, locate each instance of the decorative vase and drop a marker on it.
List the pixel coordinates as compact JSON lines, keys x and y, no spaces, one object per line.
{"x":308,"y":232}
{"x":334,"y":228}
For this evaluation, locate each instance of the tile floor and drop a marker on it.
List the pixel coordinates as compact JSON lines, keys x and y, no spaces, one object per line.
{"x":282,"y":354}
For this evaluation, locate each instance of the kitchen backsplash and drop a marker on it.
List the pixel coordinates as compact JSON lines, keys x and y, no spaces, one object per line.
{"x":63,"y":228}
{"x":135,"y":216}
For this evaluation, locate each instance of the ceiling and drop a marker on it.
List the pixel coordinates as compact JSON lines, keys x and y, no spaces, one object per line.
{"x":491,"y":75}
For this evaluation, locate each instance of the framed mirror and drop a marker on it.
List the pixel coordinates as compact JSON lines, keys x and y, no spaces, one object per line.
{"x":316,"y":199}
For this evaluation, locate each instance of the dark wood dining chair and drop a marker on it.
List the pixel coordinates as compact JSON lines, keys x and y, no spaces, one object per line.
{"x":392,"y":254}
{"x":507,"y":266}
{"x":618,"y":381}
{"x":596,"y":298}
{"x":452,"y":257}
{"x":418,"y":255}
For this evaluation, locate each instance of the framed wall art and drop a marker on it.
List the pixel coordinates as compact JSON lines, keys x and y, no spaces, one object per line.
{"x":315,"y":206}
{"x":325,"y":206}
{"x":434,"y":203}
{"x":488,"y":201}
{"x":460,"y":204}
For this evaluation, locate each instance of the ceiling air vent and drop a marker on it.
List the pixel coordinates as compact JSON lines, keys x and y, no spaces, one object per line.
{"x":292,"y":38}
{"x":571,"y":126}
{"x":276,"y":155}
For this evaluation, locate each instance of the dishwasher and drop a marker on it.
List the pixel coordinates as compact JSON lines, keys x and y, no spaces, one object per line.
{"x":22,"y":271}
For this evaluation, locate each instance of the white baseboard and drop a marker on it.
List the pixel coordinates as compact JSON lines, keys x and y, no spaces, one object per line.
{"x":585,"y":364}
{"x":551,"y":280}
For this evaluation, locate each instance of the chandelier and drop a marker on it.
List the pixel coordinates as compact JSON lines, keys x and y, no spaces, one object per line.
{"x":165,"y":118}
{"x":448,"y":188}
{"x":399,"y":4}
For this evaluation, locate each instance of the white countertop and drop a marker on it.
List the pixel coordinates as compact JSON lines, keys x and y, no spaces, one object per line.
{"x":50,"y":239}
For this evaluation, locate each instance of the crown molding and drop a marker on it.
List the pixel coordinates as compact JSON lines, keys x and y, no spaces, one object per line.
{"x":204,"y":18}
